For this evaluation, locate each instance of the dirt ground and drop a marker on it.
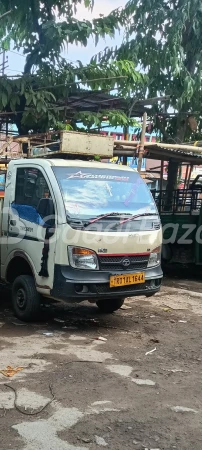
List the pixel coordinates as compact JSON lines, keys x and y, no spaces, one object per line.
{"x":138,"y":387}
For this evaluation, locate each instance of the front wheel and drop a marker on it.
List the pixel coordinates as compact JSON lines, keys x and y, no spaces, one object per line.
{"x":108,"y":306}
{"x":25,"y":298}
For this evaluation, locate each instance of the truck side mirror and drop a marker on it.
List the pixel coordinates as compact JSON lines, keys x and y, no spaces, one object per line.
{"x":45,"y":209}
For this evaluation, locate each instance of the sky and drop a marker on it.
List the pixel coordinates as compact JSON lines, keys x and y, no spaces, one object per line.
{"x":16,"y":60}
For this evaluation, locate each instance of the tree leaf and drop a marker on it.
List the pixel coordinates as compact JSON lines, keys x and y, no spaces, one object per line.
{"x":12,"y":104}
{"x":4,"y":99}
{"x":39,"y":107}
{"x":9,"y":89}
{"x":34,"y":99}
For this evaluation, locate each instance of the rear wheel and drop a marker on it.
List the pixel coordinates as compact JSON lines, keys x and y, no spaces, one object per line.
{"x":25,"y":298}
{"x":108,"y":306}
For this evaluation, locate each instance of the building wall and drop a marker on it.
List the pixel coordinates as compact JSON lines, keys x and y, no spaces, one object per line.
{"x":13,"y":148}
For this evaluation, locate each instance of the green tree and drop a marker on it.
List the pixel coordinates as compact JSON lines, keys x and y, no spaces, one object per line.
{"x":37,"y":102}
{"x":163,"y":38}
{"x":43,"y":29}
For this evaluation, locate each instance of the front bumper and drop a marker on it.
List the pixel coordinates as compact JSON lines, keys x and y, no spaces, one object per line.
{"x":79,"y":285}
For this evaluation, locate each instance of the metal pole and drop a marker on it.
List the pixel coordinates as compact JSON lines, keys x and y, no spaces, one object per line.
{"x":186,"y":175}
{"x":187,"y":187}
{"x":189,"y":177}
{"x":161,"y":178}
{"x":126,"y":132}
{"x":6,"y":155}
{"x":144,"y":124}
{"x":3,"y":63}
{"x":161,"y":186}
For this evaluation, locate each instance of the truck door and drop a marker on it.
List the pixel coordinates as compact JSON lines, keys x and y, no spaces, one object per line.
{"x":29,"y":233}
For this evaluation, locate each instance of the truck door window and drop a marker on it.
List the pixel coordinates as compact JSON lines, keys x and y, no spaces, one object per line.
{"x":31,"y":187}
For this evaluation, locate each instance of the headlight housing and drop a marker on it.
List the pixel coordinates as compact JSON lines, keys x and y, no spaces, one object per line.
{"x":155,"y":257}
{"x":82,"y":258}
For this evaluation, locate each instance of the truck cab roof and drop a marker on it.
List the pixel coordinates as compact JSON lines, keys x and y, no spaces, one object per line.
{"x":68,"y":163}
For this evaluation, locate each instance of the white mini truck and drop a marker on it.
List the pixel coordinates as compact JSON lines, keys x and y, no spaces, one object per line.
{"x":77,"y":230}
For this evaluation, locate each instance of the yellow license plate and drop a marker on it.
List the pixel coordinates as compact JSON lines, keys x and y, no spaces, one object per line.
{"x":126,"y":280}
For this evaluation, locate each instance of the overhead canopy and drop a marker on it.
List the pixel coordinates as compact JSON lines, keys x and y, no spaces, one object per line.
{"x":179,"y":155}
{"x":94,"y":102}
{"x":97,"y":101}
{"x":186,"y":153}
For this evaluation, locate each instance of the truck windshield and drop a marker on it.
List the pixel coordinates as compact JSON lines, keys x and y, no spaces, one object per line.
{"x":90,"y":192}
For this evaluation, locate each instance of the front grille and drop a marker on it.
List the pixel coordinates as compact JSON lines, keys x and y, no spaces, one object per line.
{"x":112,"y":267}
{"x":138,"y":262}
{"x":104,"y":288}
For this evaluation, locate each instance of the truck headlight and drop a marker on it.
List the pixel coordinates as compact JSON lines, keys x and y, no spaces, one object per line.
{"x":82,"y":258}
{"x":155,"y":257}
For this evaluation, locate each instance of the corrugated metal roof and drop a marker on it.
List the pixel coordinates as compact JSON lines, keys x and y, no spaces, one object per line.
{"x":162,"y":153}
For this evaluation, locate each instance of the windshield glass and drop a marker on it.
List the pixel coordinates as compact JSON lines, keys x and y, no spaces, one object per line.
{"x":90,"y":192}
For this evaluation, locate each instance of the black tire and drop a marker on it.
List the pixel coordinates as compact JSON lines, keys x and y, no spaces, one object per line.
{"x":110,"y":305}
{"x":25,"y":298}
{"x":150,"y":295}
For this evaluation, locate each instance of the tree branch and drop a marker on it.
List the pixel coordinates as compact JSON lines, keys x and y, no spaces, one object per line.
{"x":161,"y":128}
{"x":5,"y":14}
{"x":35,"y":17}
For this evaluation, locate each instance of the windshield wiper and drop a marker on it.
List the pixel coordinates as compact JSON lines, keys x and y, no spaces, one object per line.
{"x":138,"y":215}
{"x":106,"y":215}
{"x":82,"y":223}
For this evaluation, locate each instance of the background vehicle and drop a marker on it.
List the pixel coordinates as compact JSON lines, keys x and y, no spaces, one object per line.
{"x":181,"y":220}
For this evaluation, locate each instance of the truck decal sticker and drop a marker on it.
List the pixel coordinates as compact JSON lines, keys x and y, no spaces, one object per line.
{"x":28,"y":213}
{"x":93,"y":176}
{"x":133,"y":192}
{"x":27,"y":229}
{"x":23,"y":237}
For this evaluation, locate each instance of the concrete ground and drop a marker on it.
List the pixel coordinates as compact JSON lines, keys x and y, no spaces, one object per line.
{"x":138,"y":387}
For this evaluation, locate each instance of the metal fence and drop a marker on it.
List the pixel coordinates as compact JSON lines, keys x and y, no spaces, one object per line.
{"x":179,"y":201}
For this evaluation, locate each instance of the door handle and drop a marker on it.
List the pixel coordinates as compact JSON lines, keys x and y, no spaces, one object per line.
{"x":13,"y":223}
